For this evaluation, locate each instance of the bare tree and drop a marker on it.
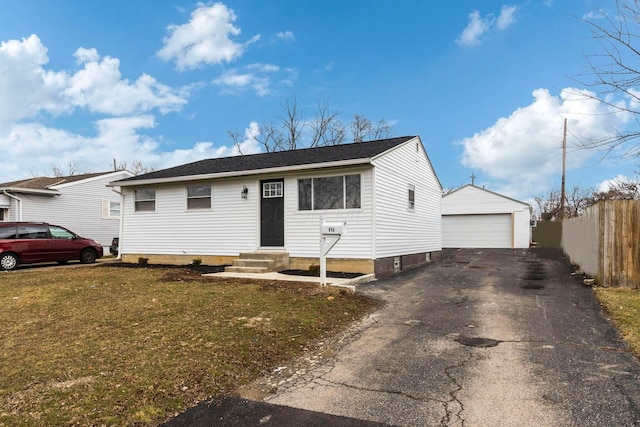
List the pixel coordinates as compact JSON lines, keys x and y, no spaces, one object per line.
{"x":614,"y":73}
{"x":577,"y":199}
{"x":326,"y":128}
{"x":292,"y":124}
{"x":136,"y":167}
{"x":293,"y":131}
{"x":72,"y":169}
{"x":620,"y":189}
{"x":360,"y":128}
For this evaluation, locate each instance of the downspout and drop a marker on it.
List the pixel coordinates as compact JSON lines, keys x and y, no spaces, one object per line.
{"x":18,"y":199}
{"x":119,"y":257}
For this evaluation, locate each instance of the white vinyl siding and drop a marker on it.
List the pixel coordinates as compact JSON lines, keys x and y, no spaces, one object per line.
{"x":228,"y":229}
{"x":399,"y":230}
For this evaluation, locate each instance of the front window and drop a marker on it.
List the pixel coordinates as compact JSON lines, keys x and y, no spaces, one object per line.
{"x":198,"y":197}
{"x":145,"y":200}
{"x":335,"y":192}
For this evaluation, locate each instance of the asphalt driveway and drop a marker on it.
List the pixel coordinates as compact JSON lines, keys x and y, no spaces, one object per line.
{"x":480,"y":338}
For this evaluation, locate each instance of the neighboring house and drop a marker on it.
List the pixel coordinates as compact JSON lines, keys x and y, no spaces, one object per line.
{"x":216,"y":209}
{"x":82,"y":203}
{"x":473,"y":217}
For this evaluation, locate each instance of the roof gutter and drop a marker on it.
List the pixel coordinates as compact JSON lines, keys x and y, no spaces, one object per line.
{"x":31,"y":191}
{"x":18,"y":199}
{"x":323,"y":165}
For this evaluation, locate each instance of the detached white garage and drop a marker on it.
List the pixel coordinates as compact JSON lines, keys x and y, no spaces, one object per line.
{"x":473,"y":217}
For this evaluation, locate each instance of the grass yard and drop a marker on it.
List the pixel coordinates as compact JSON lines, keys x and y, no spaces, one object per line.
{"x":118,"y":346}
{"x":623,"y":307}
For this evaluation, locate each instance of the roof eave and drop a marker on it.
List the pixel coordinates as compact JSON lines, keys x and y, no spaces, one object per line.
{"x":231,"y":174}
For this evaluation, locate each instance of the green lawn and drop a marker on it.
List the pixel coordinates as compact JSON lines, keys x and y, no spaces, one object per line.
{"x":107,"y":345}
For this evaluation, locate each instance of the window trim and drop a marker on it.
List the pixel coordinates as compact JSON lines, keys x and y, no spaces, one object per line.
{"x":188,"y":198}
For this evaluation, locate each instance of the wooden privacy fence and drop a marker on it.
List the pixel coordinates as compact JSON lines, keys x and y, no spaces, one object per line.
{"x":605,"y":242}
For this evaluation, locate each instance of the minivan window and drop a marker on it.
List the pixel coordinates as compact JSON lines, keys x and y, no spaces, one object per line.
{"x":32,"y":231}
{"x":7,"y":231}
{"x":60,"y":233}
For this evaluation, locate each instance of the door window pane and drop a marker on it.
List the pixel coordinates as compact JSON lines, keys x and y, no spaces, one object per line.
{"x":272,"y":189}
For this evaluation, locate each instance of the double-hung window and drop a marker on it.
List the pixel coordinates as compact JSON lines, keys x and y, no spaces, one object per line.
{"x":199,"y":196}
{"x":333,"y":192}
{"x":412,"y":197}
{"x":145,"y":200}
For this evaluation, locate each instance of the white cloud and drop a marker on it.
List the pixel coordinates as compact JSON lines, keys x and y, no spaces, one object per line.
{"x":606,"y":185}
{"x":475,"y":29}
{"x":286,"y":36}
{"x":523,"y":151}
{"x":100,"y":88}
{"x":257,"y":77}
{"x":205,"y":39}
{"x":478,"y":25}
{"x":26,"y":88}
{"x":506,"y":17}
{"x":34,"y":148}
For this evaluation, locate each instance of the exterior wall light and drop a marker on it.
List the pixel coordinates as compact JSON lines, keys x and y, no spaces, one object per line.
{"x":244,"y":192}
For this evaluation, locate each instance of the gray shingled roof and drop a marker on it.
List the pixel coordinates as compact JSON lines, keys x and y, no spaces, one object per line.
{"x":335,"y":153}
{"x":45,"y":183}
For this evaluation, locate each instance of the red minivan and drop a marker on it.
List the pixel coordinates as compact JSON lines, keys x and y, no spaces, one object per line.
{"x":31,"y":242}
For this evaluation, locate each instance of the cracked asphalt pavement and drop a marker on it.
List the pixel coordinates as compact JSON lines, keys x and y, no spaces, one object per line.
{"x":490,"y":337}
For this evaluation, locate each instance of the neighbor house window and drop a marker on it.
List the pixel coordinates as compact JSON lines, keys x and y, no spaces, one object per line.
{"x":198,"y":196}
{"x":412,"y":197}
{"x":110,"y":209}
{"x":4,"y":214}
{"x":334,"y":192}
{"x":145,"y":200}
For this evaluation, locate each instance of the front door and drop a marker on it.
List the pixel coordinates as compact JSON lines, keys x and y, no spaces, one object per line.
{"x":272,"y":213}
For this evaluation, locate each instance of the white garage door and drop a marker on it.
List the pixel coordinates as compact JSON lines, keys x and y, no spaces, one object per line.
{"x":476,"y":231}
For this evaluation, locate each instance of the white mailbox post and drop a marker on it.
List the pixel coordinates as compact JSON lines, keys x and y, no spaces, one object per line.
{"x":330,"y":233}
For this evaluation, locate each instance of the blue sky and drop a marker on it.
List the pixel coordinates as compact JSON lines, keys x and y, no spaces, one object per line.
{"x":485,"y":84}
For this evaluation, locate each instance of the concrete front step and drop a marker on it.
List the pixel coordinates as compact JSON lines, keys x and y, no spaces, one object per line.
{"x":260,"y":262}
{"x":234,"y":269}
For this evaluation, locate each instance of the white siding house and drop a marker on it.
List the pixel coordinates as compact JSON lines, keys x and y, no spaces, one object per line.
{"x":473,"y":217}
{"x":275,"y":201}
{"x":81,"y":203}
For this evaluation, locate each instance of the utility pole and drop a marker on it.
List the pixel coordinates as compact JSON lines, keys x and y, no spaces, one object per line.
{"x":564,"y":160}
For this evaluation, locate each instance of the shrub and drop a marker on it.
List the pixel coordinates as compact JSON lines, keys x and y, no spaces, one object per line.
{"x":143,"y":261}
{"x":314,"y":269}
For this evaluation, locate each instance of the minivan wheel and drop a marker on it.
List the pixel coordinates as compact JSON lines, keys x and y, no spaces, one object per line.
{"x":8,"y":261}
{"x":88,"y":256}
